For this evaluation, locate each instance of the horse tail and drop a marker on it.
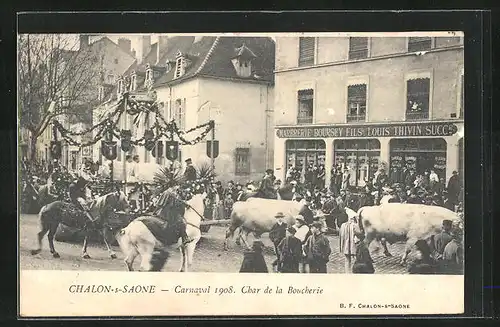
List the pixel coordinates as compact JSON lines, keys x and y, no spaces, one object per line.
{"x":360,"y":220}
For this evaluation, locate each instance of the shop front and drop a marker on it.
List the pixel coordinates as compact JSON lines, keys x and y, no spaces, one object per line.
{"x":362,"y":149}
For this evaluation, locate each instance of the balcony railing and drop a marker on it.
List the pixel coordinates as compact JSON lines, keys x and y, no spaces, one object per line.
{"x":417,"y":115}
{"x":305,"y":120}
{"x":356,"y":118}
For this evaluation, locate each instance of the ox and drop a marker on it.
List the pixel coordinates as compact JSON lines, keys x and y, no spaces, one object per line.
{"x":257,"y":215}
{"x":395,"y":222}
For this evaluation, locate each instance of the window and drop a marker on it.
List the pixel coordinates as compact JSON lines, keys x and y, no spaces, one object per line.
{"x":417,"y":104}
{"x":116,"y":61}
{"x":101,"y":93}
{"x":133,"y":82}
{"x":305,"y":153}
{"x":462,"y":96}
{"x":179,"y":113}
{"x":360,"y":157}
{"x":306,"y":106}
{"x":419,"y":44}
{"x":242,"y":161}
{"x":356,"y":102}
{"x":120,"y":87}
{"x":358,"y":48}
{"x":179,"y":65}
{"x":306,"y":51}
{"x":418,"y":154}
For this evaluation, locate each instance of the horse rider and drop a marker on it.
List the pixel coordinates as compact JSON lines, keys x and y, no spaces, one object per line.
{"x":54,"y":176}
{"x":77,"y":191}
{"x":266,"y":188}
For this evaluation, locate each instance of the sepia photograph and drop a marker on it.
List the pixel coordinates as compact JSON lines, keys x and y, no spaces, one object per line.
{"x":272,"y":153}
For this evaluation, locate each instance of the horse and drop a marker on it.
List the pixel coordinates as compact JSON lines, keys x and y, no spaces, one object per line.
{"x":146,"y":236}
{"x":60,"y":212}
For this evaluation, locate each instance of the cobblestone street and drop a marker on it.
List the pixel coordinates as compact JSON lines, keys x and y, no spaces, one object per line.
{"x":208,"y":257}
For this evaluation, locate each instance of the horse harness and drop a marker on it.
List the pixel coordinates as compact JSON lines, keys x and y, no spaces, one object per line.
{"x":201,"y":216}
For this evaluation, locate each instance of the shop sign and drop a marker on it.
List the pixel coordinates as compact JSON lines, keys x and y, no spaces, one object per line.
{"x":385,"y":130}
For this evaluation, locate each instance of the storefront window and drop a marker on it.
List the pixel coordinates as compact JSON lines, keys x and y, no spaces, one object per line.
{"x":419,"y":154}
{"x":360,"y":157}
{"x":302,"y":153}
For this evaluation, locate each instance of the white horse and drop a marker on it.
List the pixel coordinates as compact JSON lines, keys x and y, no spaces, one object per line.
{"x":136,"y":239}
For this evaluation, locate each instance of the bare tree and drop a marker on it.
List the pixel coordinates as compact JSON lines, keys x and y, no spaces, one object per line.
{"x":55,"y":79}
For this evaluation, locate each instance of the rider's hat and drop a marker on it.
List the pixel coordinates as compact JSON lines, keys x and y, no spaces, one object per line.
{"x":279,"y":215}
{"x":269,"y":171}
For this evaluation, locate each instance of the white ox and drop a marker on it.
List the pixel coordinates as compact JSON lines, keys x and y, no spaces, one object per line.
{"x":393,"y":222}
{"x":257,"y":215}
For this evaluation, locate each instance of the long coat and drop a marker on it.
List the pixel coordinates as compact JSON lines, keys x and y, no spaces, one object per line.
{"x":346,"y":238}
{"x":290,"y":249}
{"x":253,"y":262}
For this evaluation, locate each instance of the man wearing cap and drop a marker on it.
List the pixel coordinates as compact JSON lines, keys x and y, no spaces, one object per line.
{"x":78,"y":198}
{"x":277,"y":234}
{"x":266,"y":189}
{"x":443,"y":238}
{"x":317,"y":249}
{"x":453,"y":252}
{"x":302,"y":234}
{"x":190,"y":172}
{"x":290,"y":250}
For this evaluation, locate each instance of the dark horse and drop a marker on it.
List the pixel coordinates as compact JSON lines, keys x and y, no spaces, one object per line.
{"x":285,"y":193}
{"x":60,"y":212}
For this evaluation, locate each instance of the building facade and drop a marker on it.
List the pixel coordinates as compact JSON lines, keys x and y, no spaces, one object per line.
{"x":197,"y":79}
{"x":363,"y":102}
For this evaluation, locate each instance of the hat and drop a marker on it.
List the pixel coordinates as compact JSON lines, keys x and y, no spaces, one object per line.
{"x":188,"y":160}
{"x":317,"y":224}
{"x":293,"y":182}
{"x":300,"y":218}
{"x":279,"y":215}
{"x":291,"y":230}
{"x":136,"y":156}
{"x":455,"y":172}
{"x":447,"y":223}
{"x":269,"y":171}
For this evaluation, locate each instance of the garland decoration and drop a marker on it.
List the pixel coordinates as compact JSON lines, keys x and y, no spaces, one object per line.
{"x":108,"y":128}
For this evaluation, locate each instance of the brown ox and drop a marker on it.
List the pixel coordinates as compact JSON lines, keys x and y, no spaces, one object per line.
{"x":395,"y":222}
{"x":257,"y":215}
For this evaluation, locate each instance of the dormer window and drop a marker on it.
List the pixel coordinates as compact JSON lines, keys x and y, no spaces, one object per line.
{"x":120,"y":87}
{"x":133,"y":81}
{"x":180,"y":65}
{"x":101,"y":93}
{"x":242,"y":61}
{"x":168,"y":66}
{"x":149,"y":76}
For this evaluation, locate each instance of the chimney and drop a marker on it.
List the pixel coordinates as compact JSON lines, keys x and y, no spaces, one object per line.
{"x":84,"y":41}
{"x":145,"y":47}
{"x":161,"y":47}
{"x":125,"y":44}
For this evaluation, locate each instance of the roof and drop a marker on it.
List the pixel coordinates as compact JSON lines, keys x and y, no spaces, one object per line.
{"x":220,"y":65}
{"x":211,"y":56}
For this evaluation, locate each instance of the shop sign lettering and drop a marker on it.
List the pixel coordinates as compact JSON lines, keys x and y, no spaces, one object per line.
{"x":388,"y":130}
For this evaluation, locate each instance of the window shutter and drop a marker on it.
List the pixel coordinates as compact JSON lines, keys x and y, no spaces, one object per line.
{"x":358,"y":47}
{"x":306,"y":51}
{"x":419,"y":44}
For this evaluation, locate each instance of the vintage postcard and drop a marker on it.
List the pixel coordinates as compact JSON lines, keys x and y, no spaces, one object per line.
{"x":241,"y":174}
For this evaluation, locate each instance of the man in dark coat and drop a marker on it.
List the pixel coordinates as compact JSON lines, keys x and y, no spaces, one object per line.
{"x":190,"y":172}
{"x":253,"y":260}
{"x":266,"y":189}
{"x":277,"y":234}
{"x":78,"y":197}
{"x":317,"y":249}
{"x":290,"y":250}
{"x":454,"y":188}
